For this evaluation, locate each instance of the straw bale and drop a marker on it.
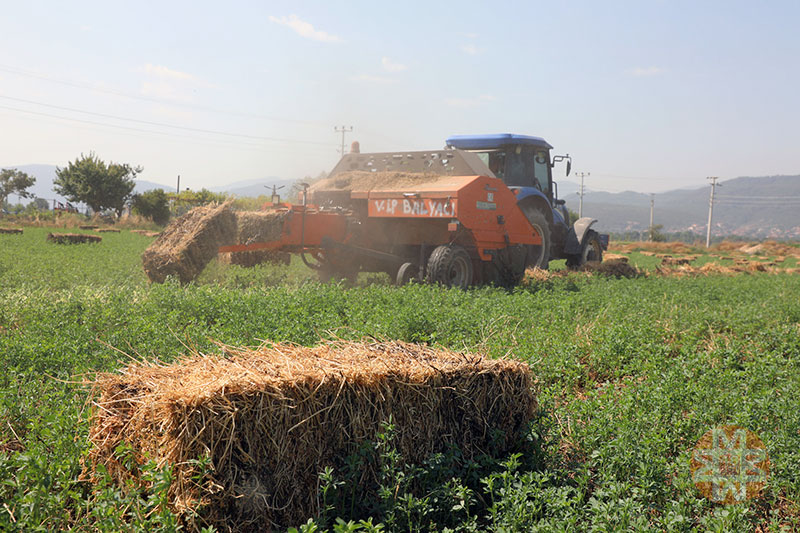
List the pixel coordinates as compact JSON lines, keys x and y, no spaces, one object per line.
{"x":615,"y":257}
{"x":88,"y":226}
{"x":259,"y":226}
{"x":11,"y":231}
{"x":270,"y":420}
{"x":186,"y":246}
{"x":72,"y":238}
{"x":107,"y":230}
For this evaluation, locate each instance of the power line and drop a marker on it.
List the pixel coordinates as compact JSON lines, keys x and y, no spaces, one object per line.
{"x":581,"y":192}
{"x":711,"y":208}
{"x":161,"y":124}
{"x":21,"y":72}
{"x":343,"y":130}
{"x":133,"y":130}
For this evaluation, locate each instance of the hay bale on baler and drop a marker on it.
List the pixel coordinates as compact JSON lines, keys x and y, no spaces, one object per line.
{"x":186,"y":246}
{"x":72,"y":238}
{"x":270,"y":420}
{"x":259,"y":226}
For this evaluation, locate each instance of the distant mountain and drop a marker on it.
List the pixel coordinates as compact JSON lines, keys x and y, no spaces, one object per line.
{"x":767,"y":207}
{"x":256,"y":187}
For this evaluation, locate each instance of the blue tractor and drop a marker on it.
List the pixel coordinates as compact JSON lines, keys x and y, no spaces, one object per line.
{"x":525,"y":165}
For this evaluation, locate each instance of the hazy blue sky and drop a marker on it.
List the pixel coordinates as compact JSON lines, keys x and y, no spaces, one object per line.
{"x":645,"y":95}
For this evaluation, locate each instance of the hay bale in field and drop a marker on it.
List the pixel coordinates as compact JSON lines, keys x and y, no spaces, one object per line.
{"x":11,"y":231}
{"x":72,"y":238}
{"x":615,"y":268}
{"x":88,"y":226}
{"x":270,"y":420}
{"x":107,"y":230}
{"x":615,"y":257}
{"x":187,"y":245}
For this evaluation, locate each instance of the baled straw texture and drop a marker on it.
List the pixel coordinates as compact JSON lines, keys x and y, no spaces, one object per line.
{"x":259,"y":226}
{"x":72,"y":238}
{"x":270,"y":420}
{"x":186,"y":246}
{"x":11,"y":231}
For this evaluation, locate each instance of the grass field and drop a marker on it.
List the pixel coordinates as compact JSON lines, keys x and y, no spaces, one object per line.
{"x":630,"y":374}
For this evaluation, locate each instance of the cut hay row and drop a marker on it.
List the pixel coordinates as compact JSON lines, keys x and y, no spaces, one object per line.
{"x":270,"y":420}
{"x":187,"y":245}
{"x":72,"y":238}
{"x":11,"y":231}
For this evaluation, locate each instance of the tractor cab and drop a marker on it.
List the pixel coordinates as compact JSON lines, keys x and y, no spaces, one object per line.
{"x":521,"y":161}
{"x":525,"y":164}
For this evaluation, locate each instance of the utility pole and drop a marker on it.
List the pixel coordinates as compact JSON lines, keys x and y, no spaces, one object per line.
{"x":711,"y":208}
{"x":580,"y":205}
{"x":652,"y":204}
{"x":343,"y":130}
{"x":178,"y":188}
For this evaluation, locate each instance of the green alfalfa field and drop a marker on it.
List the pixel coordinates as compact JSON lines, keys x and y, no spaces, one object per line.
{"x":630,"y":374}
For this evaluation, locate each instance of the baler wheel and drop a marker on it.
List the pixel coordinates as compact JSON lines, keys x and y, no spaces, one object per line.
{"x":451,"y":266}
{"x":407,"y":273}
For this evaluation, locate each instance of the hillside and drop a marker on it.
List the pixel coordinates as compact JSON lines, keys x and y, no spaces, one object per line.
{"x":775,"y":215}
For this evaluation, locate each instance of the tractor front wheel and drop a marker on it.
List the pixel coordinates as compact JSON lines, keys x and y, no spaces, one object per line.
{"x":591,"y":250}
{"x":451,"y":266}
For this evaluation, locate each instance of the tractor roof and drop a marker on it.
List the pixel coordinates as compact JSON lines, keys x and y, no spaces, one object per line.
{"x":494,"y":140}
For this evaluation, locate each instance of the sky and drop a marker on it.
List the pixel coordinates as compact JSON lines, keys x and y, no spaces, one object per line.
{"x":644,"y":95}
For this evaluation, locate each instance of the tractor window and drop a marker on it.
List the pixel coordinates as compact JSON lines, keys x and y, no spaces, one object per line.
{"x":520,"y":167}
{"x":541,"y":169}
{"x":495,"y":160}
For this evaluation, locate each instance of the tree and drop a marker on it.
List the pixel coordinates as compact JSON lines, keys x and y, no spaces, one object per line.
{"x":12,"y":181}
{"x":41,"y":204}
{"x":655,"y":233}
{"x":153,"y":205}
{"x":100,"y":186}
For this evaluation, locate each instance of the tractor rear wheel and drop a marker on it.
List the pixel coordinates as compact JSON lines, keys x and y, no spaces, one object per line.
{"x":539,"y":255}
{"x":451,"y":266}
{"x":591,"y":250}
